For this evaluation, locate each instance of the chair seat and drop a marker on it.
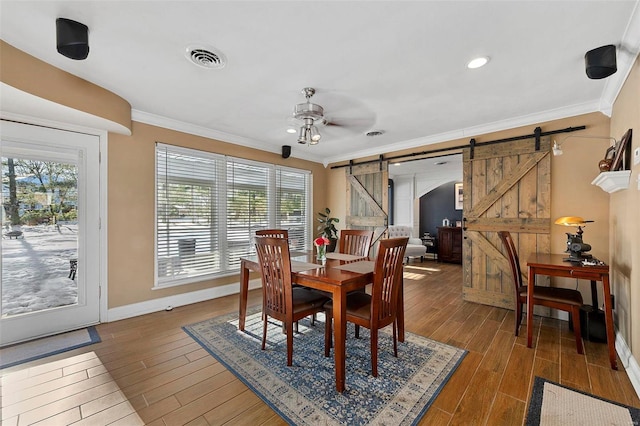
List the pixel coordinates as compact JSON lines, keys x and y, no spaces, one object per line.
{"x":305,"y":299}
{"x":358,"y":305}
{"x":554,"y":294}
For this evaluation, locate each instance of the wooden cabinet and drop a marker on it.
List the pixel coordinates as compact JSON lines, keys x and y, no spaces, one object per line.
{"x":450,"y":244}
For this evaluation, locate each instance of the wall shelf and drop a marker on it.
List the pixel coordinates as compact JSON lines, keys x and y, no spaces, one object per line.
{"x":613,"y":181}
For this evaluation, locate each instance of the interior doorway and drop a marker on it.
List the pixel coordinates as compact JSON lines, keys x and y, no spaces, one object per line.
{"x":414,"y":178}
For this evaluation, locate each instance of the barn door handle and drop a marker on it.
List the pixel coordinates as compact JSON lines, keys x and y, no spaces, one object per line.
{"x":464,"y":228}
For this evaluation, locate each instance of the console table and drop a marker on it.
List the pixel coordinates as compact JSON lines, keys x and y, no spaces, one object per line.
{"x":553,"y":265}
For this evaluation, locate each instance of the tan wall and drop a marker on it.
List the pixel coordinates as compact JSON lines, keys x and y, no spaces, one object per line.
{"x":571,"y":175}
{"x":131,"y":201}
{"x":624,"y":220}
{"x":31,"y":75}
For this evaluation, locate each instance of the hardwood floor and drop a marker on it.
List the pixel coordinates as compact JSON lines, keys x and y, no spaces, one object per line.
{"x":147,"y":370}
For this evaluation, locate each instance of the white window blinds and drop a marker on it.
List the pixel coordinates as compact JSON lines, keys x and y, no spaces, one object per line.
{"x":208,"y":208}
{"x":292,"y":206}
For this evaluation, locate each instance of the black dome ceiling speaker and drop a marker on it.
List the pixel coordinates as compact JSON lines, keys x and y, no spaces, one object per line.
{"x":601,"y":62}
{"x":286,"y":151}
{"x":72,"y":39}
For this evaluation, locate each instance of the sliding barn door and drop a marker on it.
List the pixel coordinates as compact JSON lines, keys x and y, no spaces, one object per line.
{"x":506,"y":187}
{"x":367,"y":198}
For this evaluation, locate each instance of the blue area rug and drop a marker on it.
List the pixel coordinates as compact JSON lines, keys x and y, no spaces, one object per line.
{"x":47,"y":346}
{"x":555,"y":404}
{"x":304,"y":394}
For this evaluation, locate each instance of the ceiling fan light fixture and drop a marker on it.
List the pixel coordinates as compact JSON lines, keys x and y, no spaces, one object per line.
{"x":308,"y":113}
{"x":315,"y":135}
{"x":302,"y":136}
{"x":478,"y":62}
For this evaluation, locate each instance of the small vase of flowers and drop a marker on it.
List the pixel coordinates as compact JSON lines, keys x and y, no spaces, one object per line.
{"x":321,"y":244}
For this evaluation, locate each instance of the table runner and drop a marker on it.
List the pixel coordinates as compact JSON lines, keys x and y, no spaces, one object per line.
{"x":361,"y":267}
{"x":343,"y":256}
{"x":297,"y":266}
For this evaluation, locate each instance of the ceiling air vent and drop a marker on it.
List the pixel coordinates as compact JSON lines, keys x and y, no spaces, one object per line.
{"x":206,"y":57}
{"x":374,"y":133}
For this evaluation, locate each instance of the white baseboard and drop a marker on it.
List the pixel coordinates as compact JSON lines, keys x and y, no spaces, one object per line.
{"x":629,"y":362}
{"x":156,"y":305}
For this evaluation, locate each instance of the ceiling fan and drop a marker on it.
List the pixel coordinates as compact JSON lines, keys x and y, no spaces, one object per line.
{"x":308,"y":112}
{"x":307,"y":117}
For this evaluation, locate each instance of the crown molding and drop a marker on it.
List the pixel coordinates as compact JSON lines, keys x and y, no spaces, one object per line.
{"x":469,"y":132}
{"x":193,"y":129}
{"x":627,"y":53}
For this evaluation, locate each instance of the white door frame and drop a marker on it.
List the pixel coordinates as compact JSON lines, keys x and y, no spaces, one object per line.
{"x":102,"y":136}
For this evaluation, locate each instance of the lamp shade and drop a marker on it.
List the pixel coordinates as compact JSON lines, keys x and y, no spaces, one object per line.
{"x":571,"y":221}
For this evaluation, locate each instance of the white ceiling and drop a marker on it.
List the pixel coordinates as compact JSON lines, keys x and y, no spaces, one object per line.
{"x":436,"y":168}
{"x":399,"y":67}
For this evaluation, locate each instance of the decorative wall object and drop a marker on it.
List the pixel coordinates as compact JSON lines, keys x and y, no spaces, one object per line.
{"x":459,"y":196}
{"x":623,"y":150}
{"x":605,"y":164}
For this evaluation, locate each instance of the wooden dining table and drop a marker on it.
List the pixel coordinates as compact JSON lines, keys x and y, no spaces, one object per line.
{"x":330,"y":276}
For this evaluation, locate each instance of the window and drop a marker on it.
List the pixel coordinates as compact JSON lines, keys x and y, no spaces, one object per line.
{"x":209,"y":206}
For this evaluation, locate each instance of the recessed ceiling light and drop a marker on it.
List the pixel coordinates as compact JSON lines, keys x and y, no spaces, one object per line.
{"x":291,"y":130}
{"x":478,"y":62}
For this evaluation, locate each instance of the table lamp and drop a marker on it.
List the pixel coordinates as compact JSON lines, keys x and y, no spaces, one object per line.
{"x":575,"y":246}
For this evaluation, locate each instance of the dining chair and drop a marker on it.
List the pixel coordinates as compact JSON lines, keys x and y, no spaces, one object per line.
{"x":565,"y":299}
{"x":380,"y":308}
{"x":280,"y":233}
{"x":355,"y":241}
{"x":275,"y":233}
{"x":280,"y":300}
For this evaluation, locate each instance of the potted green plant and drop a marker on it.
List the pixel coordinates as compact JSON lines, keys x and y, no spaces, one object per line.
{"x":327,"y":228}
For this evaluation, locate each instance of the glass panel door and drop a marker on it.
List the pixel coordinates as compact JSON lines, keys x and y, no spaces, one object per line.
{"x":49,"y":248}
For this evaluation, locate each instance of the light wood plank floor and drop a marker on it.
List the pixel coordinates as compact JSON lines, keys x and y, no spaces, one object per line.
{"x":147,"y":370}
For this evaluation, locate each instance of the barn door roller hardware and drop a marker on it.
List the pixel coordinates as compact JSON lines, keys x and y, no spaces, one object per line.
{"x":536,"y":134}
